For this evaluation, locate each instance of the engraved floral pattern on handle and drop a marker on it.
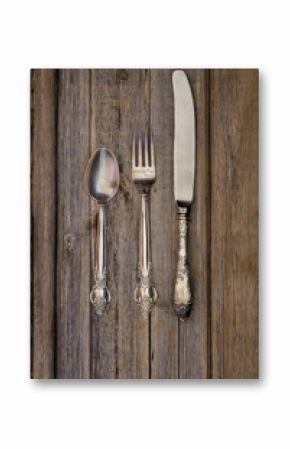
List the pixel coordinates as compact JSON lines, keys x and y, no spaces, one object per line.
{"x":182,"y":293}
{"x":145,"y":292}
{"x":100,"y":295}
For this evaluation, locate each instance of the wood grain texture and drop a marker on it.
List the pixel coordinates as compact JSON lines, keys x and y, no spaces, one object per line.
{"x":73,"y":244}
{"x":74,"y":112}
{"x":234,"y":222}
{"x":43,"y":209}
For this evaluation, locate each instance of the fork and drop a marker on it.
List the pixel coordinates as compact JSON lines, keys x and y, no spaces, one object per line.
{"x":143,"y":175}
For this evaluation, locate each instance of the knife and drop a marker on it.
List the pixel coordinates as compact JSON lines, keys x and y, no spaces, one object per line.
{"x":184,"y":170}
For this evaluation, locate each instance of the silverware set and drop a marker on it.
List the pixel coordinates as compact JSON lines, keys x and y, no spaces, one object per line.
{"x":102,"y":181}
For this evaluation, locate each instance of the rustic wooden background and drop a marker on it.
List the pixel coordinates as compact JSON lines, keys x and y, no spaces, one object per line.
{"x":73,"y":112}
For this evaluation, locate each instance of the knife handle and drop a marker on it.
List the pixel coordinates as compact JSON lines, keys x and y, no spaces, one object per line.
{"x":182,"y":294}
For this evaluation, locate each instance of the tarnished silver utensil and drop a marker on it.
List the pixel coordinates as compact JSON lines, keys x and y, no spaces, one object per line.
{"x":102,"y":181}
{"x":143,"y":174}
{"x":184,"y":171}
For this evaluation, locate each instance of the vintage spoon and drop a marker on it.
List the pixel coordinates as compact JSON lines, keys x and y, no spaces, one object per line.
{"x":102,"y":181}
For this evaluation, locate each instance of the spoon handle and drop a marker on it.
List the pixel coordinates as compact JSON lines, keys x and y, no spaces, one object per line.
{"x":145,"y":292}
{"x":100,"y":295}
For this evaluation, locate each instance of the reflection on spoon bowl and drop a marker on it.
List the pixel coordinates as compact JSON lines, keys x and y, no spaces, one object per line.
{"x":102,"y":177}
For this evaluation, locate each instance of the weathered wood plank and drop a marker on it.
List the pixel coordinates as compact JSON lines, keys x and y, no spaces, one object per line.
{"x":234,"y":222}
{"x":105,"y":133}
{"x":43,"y":122}
{"x":194,"y":334}
{"x":164,"y":324}
{"x":73,"y":260}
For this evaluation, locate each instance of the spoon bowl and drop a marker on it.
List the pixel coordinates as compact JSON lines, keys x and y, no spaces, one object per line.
{"x":102,"y":177}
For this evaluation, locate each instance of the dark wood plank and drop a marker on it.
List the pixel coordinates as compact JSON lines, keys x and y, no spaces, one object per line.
{"x":133,"y":330}
{"x":73,"y":250}
{"x":234,"y":222}
{"x":43,"y":121}
{"x":164,"y":324}
{"x":194,"y":336}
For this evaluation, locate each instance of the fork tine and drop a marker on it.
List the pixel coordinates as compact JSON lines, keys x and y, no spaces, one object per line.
{"x":134,"y":151}
{"x":140,"y":151}
{"x":152,"y":150}
{"x":146,"y":149}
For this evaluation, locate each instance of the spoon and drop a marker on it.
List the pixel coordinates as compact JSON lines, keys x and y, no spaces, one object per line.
{"x":102,"y":182}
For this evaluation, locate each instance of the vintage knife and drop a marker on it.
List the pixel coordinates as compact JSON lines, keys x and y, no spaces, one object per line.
{"x":184,"y":170}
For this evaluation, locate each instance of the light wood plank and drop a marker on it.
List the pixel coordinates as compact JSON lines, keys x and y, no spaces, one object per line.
{"x":234,"y":222}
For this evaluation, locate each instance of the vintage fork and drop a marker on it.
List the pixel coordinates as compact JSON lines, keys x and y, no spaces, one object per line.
{"x":143,"y":174}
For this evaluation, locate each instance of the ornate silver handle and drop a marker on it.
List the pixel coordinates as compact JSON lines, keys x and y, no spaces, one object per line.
{"x":100,"y":295}
{"x":182,"y":294}
{"x":145,"y":293}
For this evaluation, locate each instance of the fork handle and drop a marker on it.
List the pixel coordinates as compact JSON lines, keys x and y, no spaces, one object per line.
{"x":182,"y":294}
{"x":100,"y":295}
{"x":145,"y":293}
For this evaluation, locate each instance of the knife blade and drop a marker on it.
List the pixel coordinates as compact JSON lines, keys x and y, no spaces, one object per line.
{"x":184,"y":139}
{"x":184,"y":172}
